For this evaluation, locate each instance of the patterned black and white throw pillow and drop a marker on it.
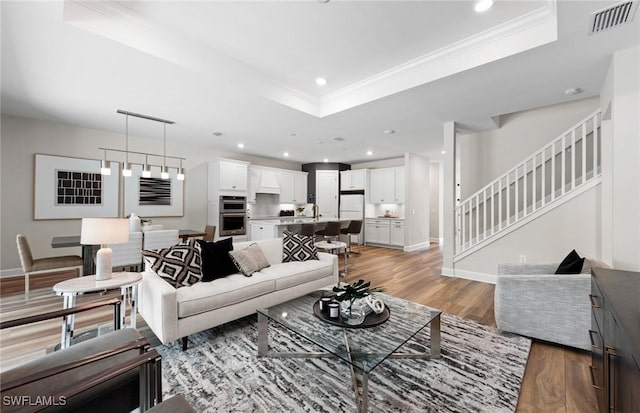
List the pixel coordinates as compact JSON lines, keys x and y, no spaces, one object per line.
{"x":296,"y":247}
{"x":179,"y":265}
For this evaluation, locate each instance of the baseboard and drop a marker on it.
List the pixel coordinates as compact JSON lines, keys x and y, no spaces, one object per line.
{"x":476,"y":276}
{"x":436,"y":240}
{"x":11,"y":272}
{"x":416,"y":247}
{"x":469,"y":275}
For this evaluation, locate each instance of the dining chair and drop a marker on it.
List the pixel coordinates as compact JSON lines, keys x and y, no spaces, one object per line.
{"x":31,"y":266}
{"x":162,"y":238}
{"x":128,"y":254}
{"x":210,"y":233}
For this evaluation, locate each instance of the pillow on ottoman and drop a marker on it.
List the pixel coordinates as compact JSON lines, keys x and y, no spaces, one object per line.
{"x":296,"y":247}
{"x":249,"y":260}
{"x":572,"y":264}
{"x":216,"y":262}
{"x":179,"y":265}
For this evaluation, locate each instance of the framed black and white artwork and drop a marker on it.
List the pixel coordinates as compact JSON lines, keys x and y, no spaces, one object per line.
{"x":153,"y":197}
{"x":71,"y":188}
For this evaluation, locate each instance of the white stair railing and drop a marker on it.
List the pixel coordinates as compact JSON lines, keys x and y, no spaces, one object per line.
{"x":566,"y":163}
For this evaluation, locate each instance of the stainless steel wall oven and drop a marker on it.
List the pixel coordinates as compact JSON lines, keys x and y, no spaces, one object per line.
{"x":233,"y":215}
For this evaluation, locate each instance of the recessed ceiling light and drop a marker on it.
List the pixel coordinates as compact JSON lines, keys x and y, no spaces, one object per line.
{"x":285,"y":154}
{"x":572,"y":91}
{"x":369,"y":153}
{"x":442,"y":152}
{"x":241,"y":145}
{"x":326,"y":160}
{"x":216,"y":133}
{"x":389,"y":132}
{"x":482,"y":5}
{"x":321,"y":81}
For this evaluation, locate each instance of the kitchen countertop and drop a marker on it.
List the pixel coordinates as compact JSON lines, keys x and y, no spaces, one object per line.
{"x":385,"y":218}
{"x":293,"y":220}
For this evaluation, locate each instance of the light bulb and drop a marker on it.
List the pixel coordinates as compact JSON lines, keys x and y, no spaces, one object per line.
{"x":104,"y":168}
{"x":165,"y":173}
{"x":126,"y":169}
{"x":180,"y":174}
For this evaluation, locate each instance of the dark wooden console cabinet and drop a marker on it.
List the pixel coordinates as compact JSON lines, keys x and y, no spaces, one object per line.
{"x":615,"y":339}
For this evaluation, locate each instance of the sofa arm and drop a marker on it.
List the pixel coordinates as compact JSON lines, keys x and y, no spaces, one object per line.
{"x":549,"y":307}
{"x":333,"y":259}
{"x":158,"y":306}
{"x":516,"y":269}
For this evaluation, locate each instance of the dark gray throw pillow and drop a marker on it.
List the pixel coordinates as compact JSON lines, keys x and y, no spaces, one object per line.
{"x":572,"y":264}
{"x":216,"y":262}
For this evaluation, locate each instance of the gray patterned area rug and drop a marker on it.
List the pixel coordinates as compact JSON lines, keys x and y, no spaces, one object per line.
{"x":480,"y":371}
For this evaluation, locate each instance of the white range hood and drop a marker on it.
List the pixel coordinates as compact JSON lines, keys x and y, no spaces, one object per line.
{"x":268,"y":183}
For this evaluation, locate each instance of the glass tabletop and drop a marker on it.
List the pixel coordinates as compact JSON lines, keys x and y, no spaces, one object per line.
{"x":368,"y":346}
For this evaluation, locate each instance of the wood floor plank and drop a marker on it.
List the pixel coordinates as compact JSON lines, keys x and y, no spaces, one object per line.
{"x":556,"y":378}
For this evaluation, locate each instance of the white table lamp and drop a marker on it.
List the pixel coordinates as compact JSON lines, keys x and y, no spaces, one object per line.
{"x":104,"y":231}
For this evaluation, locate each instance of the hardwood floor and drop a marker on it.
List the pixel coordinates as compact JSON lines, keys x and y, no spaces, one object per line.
{"x":556,"y":379}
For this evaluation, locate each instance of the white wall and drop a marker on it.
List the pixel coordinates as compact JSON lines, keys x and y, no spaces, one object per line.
{"x":573,"y":225}
{"x":384,"y":163}
{"x":434,"y":200}
{"x":21,"y":138}
{"x":416,"y":227}
{"x":485,"y":156}
{"x":621,"y":160}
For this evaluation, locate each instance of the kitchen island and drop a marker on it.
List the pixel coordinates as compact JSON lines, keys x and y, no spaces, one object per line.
{"x":273,"y":227}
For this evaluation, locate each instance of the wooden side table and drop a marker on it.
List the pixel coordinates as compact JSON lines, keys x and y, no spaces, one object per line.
{"x":335,"y":246}
{"x":127,"y":282}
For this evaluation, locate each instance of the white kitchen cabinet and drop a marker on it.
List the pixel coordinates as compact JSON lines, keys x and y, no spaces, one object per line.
{"x":386,"y":185}
{"x":353,"y":180}
{"x":253,"y":180}
{"x":233,"y":175}
{"x":382,"y":186}
{"x":259,"y":231}
{"x":397,"y":233}
{"x":293,"y":187}
{"x":376,"y":231}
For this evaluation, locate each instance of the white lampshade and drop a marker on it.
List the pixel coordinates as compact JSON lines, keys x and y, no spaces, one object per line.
{"x":97,"y":231}
{"x":104,"y":231}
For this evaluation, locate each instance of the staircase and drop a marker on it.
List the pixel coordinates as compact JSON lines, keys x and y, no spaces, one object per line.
{"x":561,"y":170}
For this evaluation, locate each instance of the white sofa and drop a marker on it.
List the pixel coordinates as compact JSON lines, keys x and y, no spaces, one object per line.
{"x":176,"y":313}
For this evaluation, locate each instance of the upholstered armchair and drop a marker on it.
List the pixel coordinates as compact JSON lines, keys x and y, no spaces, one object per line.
{"x":532,"y":301}
{"x":115,"y":372}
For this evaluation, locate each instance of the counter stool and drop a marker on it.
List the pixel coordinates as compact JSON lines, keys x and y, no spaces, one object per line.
{"x":308,"y":230}
{"x":354,"y":228}
{"x":331,"y":230}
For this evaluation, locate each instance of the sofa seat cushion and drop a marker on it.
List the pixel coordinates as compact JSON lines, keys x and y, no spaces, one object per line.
{"x":206,"y":296}
{"x":290,"y":274}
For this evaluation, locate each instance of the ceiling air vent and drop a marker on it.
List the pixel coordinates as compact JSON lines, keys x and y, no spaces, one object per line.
{"x":612,"y":16}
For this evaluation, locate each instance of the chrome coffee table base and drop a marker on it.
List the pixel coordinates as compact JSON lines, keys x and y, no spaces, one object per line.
{"x":361,"y":386}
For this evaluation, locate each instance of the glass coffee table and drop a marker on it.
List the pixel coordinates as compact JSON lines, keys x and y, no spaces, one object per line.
{"x":362,"y":348}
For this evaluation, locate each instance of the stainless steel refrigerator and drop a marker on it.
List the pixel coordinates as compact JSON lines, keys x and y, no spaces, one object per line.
{"x":352,"y":207}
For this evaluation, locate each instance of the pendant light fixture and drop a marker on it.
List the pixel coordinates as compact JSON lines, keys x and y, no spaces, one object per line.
{"x":126,"y":168}
{"x":165,"y":172}
{"x":104,"y":165}
{"x":146,"y":168}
